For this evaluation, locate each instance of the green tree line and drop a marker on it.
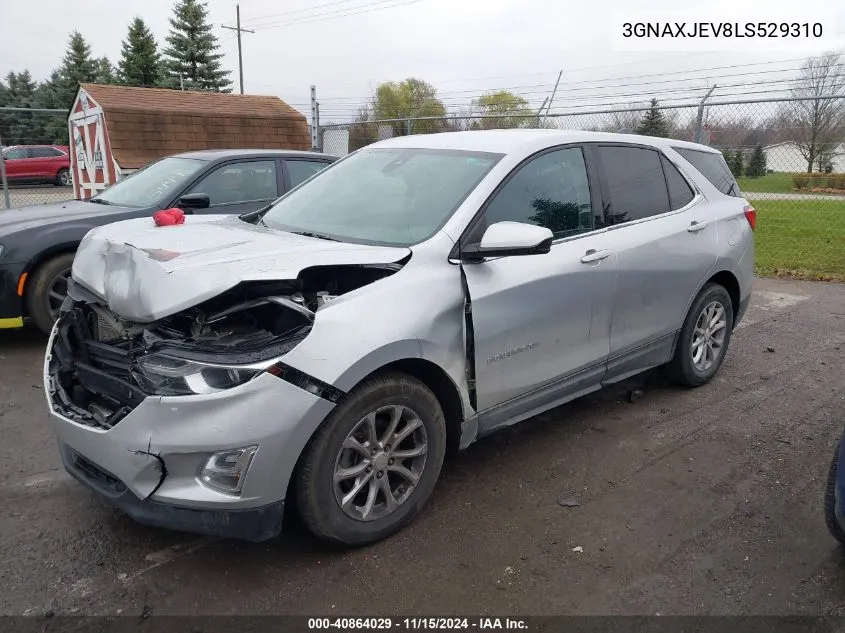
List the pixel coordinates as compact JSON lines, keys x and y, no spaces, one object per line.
{"x":190,"y":58}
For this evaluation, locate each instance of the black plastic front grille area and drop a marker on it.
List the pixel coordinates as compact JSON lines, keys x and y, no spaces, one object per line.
{"x":94,"y":383}
{"x":96,"y":475}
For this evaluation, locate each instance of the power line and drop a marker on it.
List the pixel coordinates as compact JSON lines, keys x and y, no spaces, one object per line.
{"x":263,"y":18}
{"x":595,"y":83}
{"x":341,"y":13}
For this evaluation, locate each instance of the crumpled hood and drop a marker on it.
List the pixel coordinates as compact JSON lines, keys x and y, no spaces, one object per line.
{"x":146,"y":273}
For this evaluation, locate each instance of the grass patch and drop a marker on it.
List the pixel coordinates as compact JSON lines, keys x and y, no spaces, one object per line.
{"x":770,"y":183}
{"x":804,"y":239}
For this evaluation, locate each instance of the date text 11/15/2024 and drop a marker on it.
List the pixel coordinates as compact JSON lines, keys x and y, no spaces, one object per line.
{"x":416,"y":623}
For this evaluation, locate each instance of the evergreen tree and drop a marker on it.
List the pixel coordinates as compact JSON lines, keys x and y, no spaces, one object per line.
{"x":22,"y":127}
{"x":105,"y":71}
{"x":653,"y":122}
{"x":757,"y":163}
{"x":192,"y":50}
{"x":733,"y":159}
{"x":737,"y":167}
{"x":49,"y":95}
{"x":77,"y":67}
{"x":140,"y":64}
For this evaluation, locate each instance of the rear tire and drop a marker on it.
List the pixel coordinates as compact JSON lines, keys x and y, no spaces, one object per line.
{"x":830,"y":501}
{"x":346,"y":472}
{"x":704,"y":339}
{"x":63,"y":178}
{"x":44,"y":290}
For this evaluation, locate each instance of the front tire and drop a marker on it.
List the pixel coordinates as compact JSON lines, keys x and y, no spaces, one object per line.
{"x":47,"y":289}
{"x":704,"y":338}
{"x":374,"y":462}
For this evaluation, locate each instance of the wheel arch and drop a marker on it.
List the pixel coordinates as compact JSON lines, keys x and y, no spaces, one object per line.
{"x":434,"y":378}
{"x":729,"y":282}
{"x":39,"y":260}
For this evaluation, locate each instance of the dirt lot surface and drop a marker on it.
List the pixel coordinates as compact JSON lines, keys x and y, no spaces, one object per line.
{"x":691,"y":502}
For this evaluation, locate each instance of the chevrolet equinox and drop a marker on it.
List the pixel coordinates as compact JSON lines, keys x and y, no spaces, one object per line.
{"x":328,"y":350}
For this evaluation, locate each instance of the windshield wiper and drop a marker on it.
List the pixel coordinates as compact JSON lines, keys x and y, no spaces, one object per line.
{"x":317,"y":235}
{"x":100,"y":201}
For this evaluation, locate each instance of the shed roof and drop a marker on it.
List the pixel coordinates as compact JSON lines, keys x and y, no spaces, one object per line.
{"x":145,"y":124}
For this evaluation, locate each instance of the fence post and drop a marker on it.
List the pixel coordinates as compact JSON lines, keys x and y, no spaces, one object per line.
{"x":3,"y":176}
{"x":552,"y":98}
{"x":409,"y":124}
{"x":540,"y":111}
{"x":700,"y":119}
{"x":315,"y":120}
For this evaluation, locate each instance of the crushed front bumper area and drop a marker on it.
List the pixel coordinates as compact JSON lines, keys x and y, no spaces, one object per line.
{"x":249,"y":524}
{"x":148,"y":460}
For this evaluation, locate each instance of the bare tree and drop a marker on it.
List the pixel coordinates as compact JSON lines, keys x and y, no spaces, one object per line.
{"x":623,"y":120}
{"x":818,"y":123}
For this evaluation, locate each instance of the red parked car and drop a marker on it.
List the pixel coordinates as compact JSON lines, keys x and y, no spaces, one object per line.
{"x":38,"y":163}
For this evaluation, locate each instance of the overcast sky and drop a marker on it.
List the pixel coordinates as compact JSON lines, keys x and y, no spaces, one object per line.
{"x":463,"y":47}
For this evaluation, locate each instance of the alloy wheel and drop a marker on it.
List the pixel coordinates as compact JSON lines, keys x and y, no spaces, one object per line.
{"x":380,"y":463}
{"x":708,"y":338}
{"x":57,"y":292}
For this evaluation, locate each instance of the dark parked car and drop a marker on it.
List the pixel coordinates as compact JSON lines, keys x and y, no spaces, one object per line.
{"x":834,"y":498}
{"x":37,"y":244}
{"x":37,"y":164}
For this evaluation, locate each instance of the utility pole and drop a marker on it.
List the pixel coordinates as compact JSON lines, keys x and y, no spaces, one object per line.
{"x":239,"y":30}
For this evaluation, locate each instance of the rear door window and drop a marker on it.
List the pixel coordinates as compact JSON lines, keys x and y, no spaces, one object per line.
{"x":712,"y":166}
{"x":634,"y":183}
{"x":301,"y":170}
{"x":44,"y":152}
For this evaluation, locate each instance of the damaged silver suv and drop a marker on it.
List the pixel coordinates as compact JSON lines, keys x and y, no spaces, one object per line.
{"x":327,"y":351}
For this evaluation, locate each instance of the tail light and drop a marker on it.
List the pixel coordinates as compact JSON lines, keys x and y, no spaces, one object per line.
{"x":751,"y":216}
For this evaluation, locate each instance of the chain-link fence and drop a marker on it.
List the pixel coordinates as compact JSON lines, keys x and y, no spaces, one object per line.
{"x":35,"y":160}
{"x":788,"y":157}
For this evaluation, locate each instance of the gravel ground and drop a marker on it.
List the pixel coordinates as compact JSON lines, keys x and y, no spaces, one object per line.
{"x":691,"y":502}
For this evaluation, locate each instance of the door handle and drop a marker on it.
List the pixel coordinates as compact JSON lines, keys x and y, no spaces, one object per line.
{"x":694,"y":226}
{"x":593,"y":255}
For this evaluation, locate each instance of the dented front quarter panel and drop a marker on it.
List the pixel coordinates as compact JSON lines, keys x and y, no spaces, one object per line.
{"x":145,"y":273}
{"x":417,"y":313}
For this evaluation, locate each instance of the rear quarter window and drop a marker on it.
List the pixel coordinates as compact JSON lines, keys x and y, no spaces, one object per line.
{"x":713,"y":167}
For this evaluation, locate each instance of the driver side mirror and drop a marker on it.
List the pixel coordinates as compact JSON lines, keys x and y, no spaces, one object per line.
{"x":193,"y":201}
{"x":505,"y":239}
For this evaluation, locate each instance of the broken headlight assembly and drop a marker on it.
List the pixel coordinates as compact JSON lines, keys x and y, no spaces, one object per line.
{"x":167,"y":375}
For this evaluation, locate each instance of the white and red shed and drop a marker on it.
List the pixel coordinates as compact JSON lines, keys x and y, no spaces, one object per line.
{"x":115,"y":130}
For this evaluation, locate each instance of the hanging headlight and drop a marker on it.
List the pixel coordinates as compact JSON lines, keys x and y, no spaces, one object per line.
{"x":166,"y":375}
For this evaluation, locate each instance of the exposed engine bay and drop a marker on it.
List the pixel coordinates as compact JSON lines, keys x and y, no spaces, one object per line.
{"x":103,"y":366}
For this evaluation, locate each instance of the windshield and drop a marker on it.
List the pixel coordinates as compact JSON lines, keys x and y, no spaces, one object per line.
{"x":152,"y":184}
{"x":396,"y":197}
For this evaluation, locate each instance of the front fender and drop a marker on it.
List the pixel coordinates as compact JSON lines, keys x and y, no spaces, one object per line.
{"x":415,"y":314}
